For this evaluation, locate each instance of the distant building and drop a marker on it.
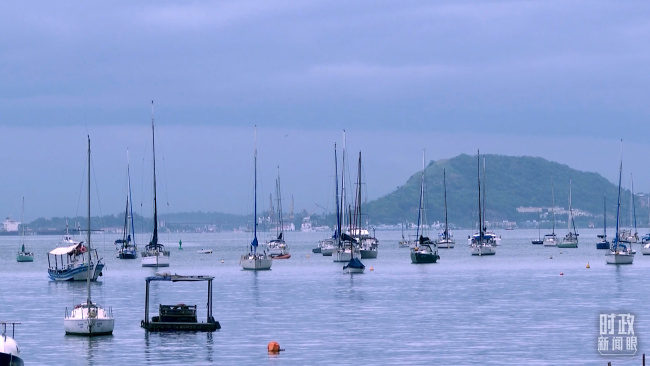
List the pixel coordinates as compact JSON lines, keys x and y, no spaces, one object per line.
{"x":10,"y":225}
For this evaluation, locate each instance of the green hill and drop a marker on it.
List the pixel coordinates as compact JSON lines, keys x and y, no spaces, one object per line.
{"x":511,"y":182}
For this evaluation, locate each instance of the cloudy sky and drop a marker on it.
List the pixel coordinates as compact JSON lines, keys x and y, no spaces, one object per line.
{"x":564,"y":80}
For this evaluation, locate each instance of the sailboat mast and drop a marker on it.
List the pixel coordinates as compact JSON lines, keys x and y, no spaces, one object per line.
{"x":130,"y":200}
{"x":154,"y":240}
{"x":444,"y":182}
{"x":338,"y":211}
{"x":633,"y":205}
{"x":279,"y":194}
{"x":22,"y":223}
{"x":420,"y":207}
{"x":343,"y":207}
{"x":604,"y":216}
{"x":357,"y":209}
{"x":618,"y":204}
{"x":570,"y":212}
{"x":90,"y":266}
{"x":553,"y":203}
{"x":484,"y":194}
{"x":480,"y":211}
{"x":254,"y":244}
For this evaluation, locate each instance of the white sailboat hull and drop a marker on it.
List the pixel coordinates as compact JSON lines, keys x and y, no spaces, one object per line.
{"x":80,"y":322}
{"x":155,"y":260}
{"x":620,"y":258}
{"x":482,"y":250}
{"x":550,"y":243}
{"x":344,"y":255}
{"x":446,"y":244}
{"x":255,"y":263}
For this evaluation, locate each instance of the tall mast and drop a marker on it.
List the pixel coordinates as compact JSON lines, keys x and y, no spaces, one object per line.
{"x":343,"y":207}
{"x":480,"y":211}
{"x":154,"y":239}
{"x":604,"y":216}
{"x":357,"y":210}
{"x":618,"y":204}
{"x":279,"y":194}
{"x":90,"y":266}
{"x":421,"y":205}
{"x":633,"y":205}
{"x":254,"y":243}
{"x":444,"y":181}
{"x":570,"y":212}
{"x":553,"y":203}
{"x":338,"y":211}
{"x":130,"y":200}
{"x":22,"y":223}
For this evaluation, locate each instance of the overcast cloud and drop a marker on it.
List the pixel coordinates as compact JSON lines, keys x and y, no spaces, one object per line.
{"x":564,"y":80}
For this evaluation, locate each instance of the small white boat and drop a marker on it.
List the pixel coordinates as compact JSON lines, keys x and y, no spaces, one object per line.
{"x":9,"y":352}
{"x":88,"y":318}
{"x":621,"y":255}
{"x":327,"y":247}
{"x":155,"y":255}
{"x":369,"y":247}
{"x":482,"y":248}
{"x":277,"y":247}
{"x":343,"y":254}
{"x":483,"y":242}
{"x":255,"y":261}
{"x":570,"y":240}
{"x":620,"y":251}
{"x":23,"y":255}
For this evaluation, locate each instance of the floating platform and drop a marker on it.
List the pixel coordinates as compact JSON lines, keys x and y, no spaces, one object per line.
{"x":179,"y":317}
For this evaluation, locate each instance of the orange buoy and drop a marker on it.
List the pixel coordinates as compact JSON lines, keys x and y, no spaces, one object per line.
{"x":307,"y":255}
{"x":274,"y":347}
{"x":588,"y":265}
{"x":372,"y":269}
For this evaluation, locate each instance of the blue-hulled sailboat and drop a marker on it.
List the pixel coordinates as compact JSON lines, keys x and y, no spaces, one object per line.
{"x":253,"y":260}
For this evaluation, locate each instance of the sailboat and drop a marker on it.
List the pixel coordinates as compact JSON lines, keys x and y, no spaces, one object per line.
{"x":355,"y":265}
{"x":404,"y":243}
{"x":619,"y":253}
{"x":539,"y":232}
{"x":23,"y":255}
{"x":253,"y":260}
{"x":9,"y":352}
{"x":154,"y":254}
{"x":445,"y":239}
{"x":627,"y":234}
{"x":277,"y":247}
{"x":550,"y":240}
{"x":347,"y":246}
{"x":329,"y":245}
{"x":571,"y":238}
{"x":425,"y":250}
{"x":603,"y":243}
{"x":482,"y":243}
{"x":127,"y":249}
{"x":88,"y":318}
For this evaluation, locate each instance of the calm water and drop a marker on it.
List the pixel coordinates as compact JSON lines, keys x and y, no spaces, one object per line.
{"x":510,"y":309}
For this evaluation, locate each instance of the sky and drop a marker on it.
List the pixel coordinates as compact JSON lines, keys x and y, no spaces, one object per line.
{"x":563,"y":80}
